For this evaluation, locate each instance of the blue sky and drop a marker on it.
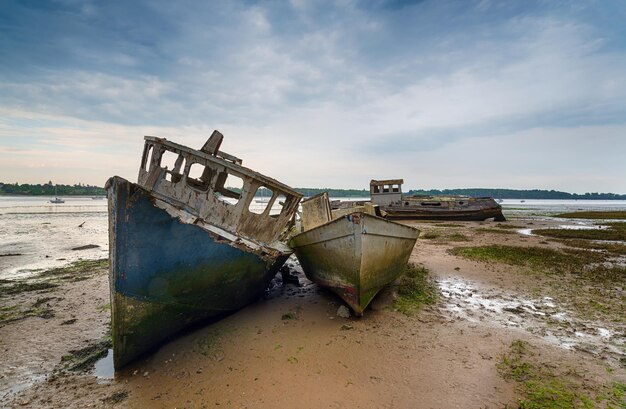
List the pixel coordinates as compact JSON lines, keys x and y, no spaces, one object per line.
{"x":444,"y":94}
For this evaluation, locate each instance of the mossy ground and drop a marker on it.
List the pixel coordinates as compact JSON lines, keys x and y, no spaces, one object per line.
{"x":495,"y":231}
{"x":542,"y":387}
{"x":415,"y":288}
{"x":586,"y":280}
{"x":50,"y":279}
{"x":83,"y":359}
{"x":40,"y":308}
{"x":612,"y":248}
{"x":593,"y":215}
{"x":443,"y":236}
{"x":614,"y":232}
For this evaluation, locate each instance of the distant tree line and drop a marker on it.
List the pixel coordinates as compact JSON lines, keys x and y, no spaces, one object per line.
{"x":80,"y":189}
{"x":520,"y":194}
{"x":50,"y":189}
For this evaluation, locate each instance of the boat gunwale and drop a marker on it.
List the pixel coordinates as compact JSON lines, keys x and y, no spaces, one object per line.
{"x":410,"y":228}
{"x":266,"y":180}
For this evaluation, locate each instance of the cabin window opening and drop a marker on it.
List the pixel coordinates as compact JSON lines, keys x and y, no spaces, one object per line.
{"x":199,"y":176}
{"x":168,"y":160}
{"x":228,"y":188}
{"x":396,"y":189}
{"x":172,"y":162}
{"x":147,"y":158}
{"x":279,"y":205}
{"x":386,"y":189}
{"x":261,"y":200}
{"x":375,"y":189}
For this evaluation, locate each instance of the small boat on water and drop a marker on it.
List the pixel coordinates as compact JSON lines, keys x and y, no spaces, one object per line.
{"x":351,"y":251}
{"x":56,"y":199}
{"x":185,"y":246}
{"x":395,"y":205}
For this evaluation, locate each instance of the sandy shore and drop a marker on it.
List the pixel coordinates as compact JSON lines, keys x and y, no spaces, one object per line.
{"x":290,"y":349}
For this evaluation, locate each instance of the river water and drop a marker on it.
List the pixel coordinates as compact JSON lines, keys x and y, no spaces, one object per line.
{"x":36,"y":234}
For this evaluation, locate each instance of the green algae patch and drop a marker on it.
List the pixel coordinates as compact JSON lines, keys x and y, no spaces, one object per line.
{"x":593,"y":215}
{"x":494,"y":231}
{"x":614,"y":232}
{"x":8,"y":287}
{"x":76,"y":269}
{"x":509,"y":226}
{"x":612,"y":248}
{"x":449,"y":225}
{"x":49,"y":279}
{"x":81,"y":360}
{"x":430,"y":235}
{"x":586,"y":280}
{"x":442,"y":237}
{"x":415,"y":289}
{"x":538,"y":258}
{"x":40,"y":308}
{"x":457,"y":237}
{"x":542,"y":387}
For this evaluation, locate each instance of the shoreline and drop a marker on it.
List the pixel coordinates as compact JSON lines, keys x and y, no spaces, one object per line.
{"x":291,"y":346}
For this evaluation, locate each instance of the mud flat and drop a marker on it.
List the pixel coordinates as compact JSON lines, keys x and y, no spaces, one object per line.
{"x":493,"y":330}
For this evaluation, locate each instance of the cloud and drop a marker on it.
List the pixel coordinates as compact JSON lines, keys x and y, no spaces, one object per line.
{"x":350,"y":86}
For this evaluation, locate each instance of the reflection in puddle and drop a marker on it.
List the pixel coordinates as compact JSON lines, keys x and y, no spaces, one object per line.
{"x":103,"y":368}
{"x":543,"y":317}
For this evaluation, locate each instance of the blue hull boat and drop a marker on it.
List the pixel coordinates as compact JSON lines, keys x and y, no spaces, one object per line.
{"x":170,"y":268}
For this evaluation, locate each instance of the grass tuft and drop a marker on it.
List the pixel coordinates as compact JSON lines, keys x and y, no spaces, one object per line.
{"x":542,"y":388}
{"x":612,"y":248}
{"x":614,"y":232}
{"x":593,"y":215}
{"x":415,"y":289}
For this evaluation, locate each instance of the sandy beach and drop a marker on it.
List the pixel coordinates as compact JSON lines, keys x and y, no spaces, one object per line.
{"x":292,"y":349}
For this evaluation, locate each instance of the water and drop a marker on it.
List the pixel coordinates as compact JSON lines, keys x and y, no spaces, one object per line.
{"x":552,"y":206}
{"x":36,"y":234}
{"x":103,"y":369}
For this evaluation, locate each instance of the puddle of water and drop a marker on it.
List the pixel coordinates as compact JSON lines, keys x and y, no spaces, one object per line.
{"x":470,"y":302}
{"x":103,"y":368}
{"x":582,"y":227}
{"x":525,"y":232}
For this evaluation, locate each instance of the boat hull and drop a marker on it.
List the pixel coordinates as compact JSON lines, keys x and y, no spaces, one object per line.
{"x":446,"y":214}
{"x":166,"y":275}
{"x":446,"y":208}
{"x":355,"y":255}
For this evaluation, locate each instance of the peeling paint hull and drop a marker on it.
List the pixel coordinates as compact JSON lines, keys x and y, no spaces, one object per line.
{"x":166,"y":275}
{"x":355,"y":255}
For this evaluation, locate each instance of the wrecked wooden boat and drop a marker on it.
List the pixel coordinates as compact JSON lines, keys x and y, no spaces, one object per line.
{"x":394,"y":205}
{"x":186,"y":247}
{"x":351,"y":251}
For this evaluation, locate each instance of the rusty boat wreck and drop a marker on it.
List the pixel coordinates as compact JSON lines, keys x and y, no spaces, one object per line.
{"x":387,"y":194}
{"x":351,"y":251}
{"x":184,"y":247}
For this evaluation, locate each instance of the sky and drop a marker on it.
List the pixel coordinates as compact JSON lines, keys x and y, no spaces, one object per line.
{"x":444,"y":94}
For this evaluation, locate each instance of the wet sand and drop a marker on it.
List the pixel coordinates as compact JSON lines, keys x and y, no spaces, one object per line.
{"x":290,"y":349}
